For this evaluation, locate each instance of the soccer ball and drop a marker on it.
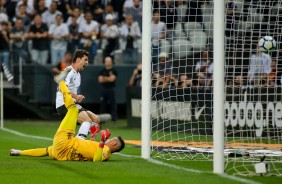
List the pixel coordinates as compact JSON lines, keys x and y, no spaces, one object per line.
{"x":267,"y":44}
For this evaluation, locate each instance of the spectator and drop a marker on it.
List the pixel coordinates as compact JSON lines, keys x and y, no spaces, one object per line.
{"x":96,"y":9}
{"x":204,"y":66}
{"x":168,"y":14}
{"x":76,"y":13}
{"x":136,"y":12}
{"x":23,"y":15}
{"x":18,"y":36}
{"x":67,"y":61}
{"x":3,"y":18}
{"x":194,"y":12}
{"x":40,"y":7}
{"x":109,"y":10}
{"x":107,"y":79}
{"x":89,"y":30}
{"x":231,"y":18}
{"x":3,"y":9}
{"x":181,"y":10}
{"x":116,"y":4}
{"x":260,"y":67}
{"x":238,"y":82}
{"x":204,"y":82}
{"x":184,"y":82}
{"x":62,"y":7}
{"x":204,"y":72}
{"x":74,"y":37}
{"x":58,"y":33}
{"x":130,"y":33}
{"x":48,"y":17}
{"x":38,"y":33}
{"x":9,"y":7}
{"x":126,"y":5}
{"x":109,"y":35}
{"x":273,"y":75}
{"x":81,"y":4}
{"x":4,"y":51}
{"x":163,"y":70}
{"x":158,"y":33}
{"x":29,"y":7}
{"x":136,"y":77}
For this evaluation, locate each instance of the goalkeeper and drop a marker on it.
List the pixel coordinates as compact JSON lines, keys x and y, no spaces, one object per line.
{"x":66,"y":146}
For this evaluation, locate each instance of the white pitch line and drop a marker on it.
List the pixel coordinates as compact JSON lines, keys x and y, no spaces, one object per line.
{"x":26,"y":135}
{"x":234,"y":178}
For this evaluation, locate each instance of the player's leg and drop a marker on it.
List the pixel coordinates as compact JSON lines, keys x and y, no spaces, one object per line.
{"x":69,"y":121}
{"x":67,"y":127}
{"x":89,"y":124}
{"x":38,"y":152}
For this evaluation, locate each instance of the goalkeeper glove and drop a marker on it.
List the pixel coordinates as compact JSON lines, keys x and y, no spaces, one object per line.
{"x":94,"y":128}
{"x":105,"y":134}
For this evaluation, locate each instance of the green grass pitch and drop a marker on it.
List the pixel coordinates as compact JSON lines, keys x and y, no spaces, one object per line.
{"x":120,"y":169}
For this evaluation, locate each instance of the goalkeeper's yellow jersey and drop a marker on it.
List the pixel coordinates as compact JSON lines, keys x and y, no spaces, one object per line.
{"x":78,"y":149}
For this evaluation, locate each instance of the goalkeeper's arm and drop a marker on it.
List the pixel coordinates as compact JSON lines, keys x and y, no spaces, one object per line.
{"x":105,"y":134}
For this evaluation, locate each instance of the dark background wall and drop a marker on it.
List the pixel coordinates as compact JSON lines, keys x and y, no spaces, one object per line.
{"x":39,"y":85}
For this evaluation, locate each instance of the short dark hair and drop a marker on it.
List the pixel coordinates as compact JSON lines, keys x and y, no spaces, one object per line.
{"x":79,"y":53}
{"x":122,"y":144}
{"x":4,"y":23}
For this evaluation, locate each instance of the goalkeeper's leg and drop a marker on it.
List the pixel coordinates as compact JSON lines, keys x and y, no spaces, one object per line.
{"x":69,"y":121}
{"x":38,"y":152}
{"x":67,"y":127}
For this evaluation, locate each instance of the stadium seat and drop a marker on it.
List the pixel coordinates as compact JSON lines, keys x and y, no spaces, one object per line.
{"x":165,"y":46}
{"x":118,"y":57}
{"x":139,"y":45}
{"x":240,"y":5}
{"x":198,"y":40}
{"x":277,"y":9}
{"x":181,"y":49}
{"x":179,"y":31}
{"x":207,"y":9}
{"x":255,"y":18}
{"x":208,"y":22}
{"x":192,"y":27}
{"x":99,"y":57}
{"x":122,"y":43}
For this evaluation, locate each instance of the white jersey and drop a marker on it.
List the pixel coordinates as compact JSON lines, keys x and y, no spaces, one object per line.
{"x":73,"y":81}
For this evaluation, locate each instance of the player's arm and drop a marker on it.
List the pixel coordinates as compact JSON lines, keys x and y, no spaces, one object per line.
{"x":111,"y":78}
{"x":105,"y":134}
{"x":68,"y":79}
{"x":103,"y":79}
{"x":78,"y":98}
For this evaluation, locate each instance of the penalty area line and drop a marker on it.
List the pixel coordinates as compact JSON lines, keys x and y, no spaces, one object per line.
{"x":234,"y":178}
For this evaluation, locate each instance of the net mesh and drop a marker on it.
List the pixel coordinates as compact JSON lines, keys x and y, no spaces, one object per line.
{"x":182,"y":85}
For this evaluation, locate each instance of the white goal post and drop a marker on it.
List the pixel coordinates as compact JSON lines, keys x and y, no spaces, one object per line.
{"x":146,"y":81}
{"x":208,"y":93}
{"x":218,"y":87}
{"x":218,"y":84}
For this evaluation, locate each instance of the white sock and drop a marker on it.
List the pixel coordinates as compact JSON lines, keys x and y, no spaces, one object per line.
{"x":83,"y":130}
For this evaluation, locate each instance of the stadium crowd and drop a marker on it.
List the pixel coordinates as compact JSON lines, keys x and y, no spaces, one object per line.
{"x":43,"y":31}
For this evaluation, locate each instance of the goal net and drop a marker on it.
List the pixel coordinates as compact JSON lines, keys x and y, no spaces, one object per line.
{"x":182,"y":84}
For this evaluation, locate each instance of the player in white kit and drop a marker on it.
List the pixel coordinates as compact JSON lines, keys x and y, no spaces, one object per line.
{"x":88,"y":120}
